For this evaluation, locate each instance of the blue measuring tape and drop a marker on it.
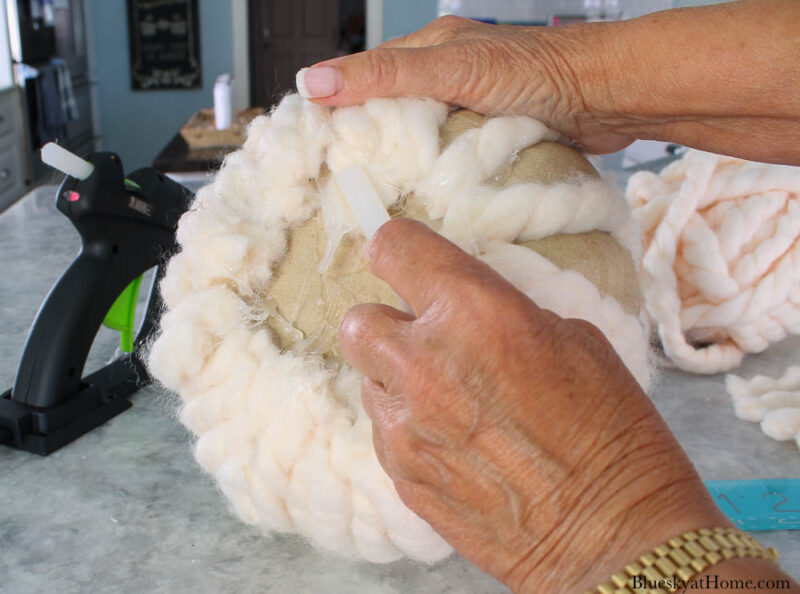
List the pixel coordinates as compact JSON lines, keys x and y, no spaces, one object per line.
{"x":761,"y":504}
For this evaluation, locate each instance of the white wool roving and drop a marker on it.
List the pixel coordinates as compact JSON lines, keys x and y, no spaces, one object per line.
{"x":773,"y":403}
{"x":720,"y":274}
{"x":284,"y":433}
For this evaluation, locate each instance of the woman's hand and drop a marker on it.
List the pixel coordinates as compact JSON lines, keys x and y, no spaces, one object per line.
{"x":490,"y":69}
{"x":520,"y":436}
{"x":721,"y":78}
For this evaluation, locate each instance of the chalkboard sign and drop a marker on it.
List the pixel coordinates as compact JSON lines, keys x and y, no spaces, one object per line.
{"x":165,"y":44}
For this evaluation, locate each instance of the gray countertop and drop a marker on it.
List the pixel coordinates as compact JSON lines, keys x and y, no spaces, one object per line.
{"x":125,"y":508}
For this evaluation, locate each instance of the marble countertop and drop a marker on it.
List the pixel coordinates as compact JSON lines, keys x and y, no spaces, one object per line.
{"x":126,"y":509}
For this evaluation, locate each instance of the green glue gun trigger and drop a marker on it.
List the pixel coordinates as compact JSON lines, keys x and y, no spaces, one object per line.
{"x":122,"y":314}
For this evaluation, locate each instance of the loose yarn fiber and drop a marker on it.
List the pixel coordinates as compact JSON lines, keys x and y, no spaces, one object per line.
{"x":774,"y":403}
{"x":720,"y":275}
{"x":277,"y":414}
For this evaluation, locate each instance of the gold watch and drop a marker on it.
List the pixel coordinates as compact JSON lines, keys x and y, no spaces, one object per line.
{"x":670,"y":566}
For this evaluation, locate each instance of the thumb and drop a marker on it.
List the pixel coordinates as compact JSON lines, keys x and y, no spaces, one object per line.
{"x":387,"y":72}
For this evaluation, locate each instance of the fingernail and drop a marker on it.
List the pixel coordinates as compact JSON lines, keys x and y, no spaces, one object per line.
{"x":322,"y":81}
{"x":369,"y":248}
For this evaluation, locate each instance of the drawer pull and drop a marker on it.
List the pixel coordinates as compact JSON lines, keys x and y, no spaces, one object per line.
{"x":5,"y":173}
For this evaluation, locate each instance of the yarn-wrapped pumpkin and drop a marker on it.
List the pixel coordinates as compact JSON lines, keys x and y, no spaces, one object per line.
{"x":271,"y":260}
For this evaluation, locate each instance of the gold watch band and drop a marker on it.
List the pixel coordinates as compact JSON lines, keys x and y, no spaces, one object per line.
{"x":669,"y":566}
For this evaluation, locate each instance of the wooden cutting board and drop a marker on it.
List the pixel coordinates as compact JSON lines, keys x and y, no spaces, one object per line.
{"x":200,"y":131}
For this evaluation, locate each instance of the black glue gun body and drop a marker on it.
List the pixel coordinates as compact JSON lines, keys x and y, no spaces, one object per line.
{"x":127,"y":226}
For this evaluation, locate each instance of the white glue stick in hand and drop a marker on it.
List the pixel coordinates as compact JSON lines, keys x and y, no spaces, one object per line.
{"x":364,"y":202}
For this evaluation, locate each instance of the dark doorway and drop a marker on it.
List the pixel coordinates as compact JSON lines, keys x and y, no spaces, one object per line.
{"x":286,"y":35}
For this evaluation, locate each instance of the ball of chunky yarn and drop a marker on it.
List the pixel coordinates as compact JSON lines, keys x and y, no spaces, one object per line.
{"x":721,"y":268}
{"x":270,"y":262}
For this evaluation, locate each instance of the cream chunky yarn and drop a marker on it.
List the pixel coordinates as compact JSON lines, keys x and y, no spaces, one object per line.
{"x":773,"y":403}
{"x":720,"y":274}
{"x":283,"y":430}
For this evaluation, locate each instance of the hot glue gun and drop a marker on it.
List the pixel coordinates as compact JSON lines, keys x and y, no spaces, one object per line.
{"x":127,"y":226}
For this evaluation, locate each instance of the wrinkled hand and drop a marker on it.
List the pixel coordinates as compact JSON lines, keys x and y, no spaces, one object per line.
{"x":519,"y":436}
{"x":490,"y":69}
{"x":720,"y":78}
